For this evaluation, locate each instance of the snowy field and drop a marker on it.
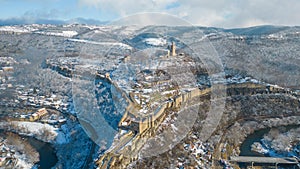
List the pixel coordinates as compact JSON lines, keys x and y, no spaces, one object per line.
{"x":43,"y":132}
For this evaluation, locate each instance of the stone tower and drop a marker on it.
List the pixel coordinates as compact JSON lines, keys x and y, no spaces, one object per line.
{"x":107,"y":75}
{"x":173,"y":49}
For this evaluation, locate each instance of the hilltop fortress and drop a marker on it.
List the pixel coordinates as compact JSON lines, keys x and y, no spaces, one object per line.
{"x":147,"y":110}
{"x":157,"y":92}
{"x":145,"y":127}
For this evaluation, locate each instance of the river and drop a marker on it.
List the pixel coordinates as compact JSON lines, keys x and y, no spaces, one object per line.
{"x":254,"y":137}
{"x":47,"y":156}
{"x":245,"y":148}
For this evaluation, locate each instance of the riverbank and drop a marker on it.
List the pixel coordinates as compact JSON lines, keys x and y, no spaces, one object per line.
{"x":29,"y":151}
{"x":286,"y":143}
{"x":71,"y":145}
{"x":243,"y":115}
{"x":282,"y":141}
{"x":250,"y":132}
{"x":48,"y":158}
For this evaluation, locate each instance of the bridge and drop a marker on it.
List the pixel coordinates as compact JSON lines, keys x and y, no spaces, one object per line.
{"x":265,"y":160}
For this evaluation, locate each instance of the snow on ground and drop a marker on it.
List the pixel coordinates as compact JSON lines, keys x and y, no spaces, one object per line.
{"x":68,"y":34}
{"x":102,"y":43}
{"x":276,"y":36}
{"x":147,"y":90}
{"x":144,"y":111}
{"x":155,"y":41}
{"x":237,"y":79}
{"x":77,"y":148}
{"x":257,"y":147}
{"x":22,"y":163}
{"x":105,"y":28}
{"x":44,"y":132}
{"x":17,"y":29}
{"x":168,"y":92}
{"x":279,"y":143}
{"x":174,"y":128}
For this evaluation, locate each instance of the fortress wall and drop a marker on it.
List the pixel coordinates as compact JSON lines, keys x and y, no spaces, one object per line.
{"x":169,"y":104}
{"x":251,"y":89}
{"x":235,"y":89}
{"x":245,"y":89}
{"x":178,"y":101}
{"x":162,"y":82}
{"x":159,"y":112}
{"x":275,"y":89}
{"x":137,"y":143}
{"x":131,"y":96}
{"x":158,"y":118}
{"x":185,"y":97}
{"x":144,"y":125}
{"x":148,"y":125}
{"x":123,"y":118}
{"x":134,"y":143}
{"x":231,"y":90}
{"x":195,"y":93}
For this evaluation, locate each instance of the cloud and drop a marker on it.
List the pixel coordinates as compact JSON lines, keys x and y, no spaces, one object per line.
{"x":221,"y":13}
{"x":42,"y":14}
{"x":143,"y":19}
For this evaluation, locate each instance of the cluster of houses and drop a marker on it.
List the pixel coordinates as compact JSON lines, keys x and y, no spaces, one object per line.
{"x":41,"y":115}
{"x":30,"y":98}
{"x":201,"y":151}
{"x":64,"y":65}
{"x":33,"y":116}
{"x":7,"y":61}
{"x":7,"y":156}
{"x":26,"y":97}
{"x":5,"y":70}
{"x":150,"y":82}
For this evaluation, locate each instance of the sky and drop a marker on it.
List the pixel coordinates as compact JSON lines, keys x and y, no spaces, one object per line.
{"x":218,"y":13}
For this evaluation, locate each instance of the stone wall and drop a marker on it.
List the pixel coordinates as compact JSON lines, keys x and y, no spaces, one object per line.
{"x":148,"y":125}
